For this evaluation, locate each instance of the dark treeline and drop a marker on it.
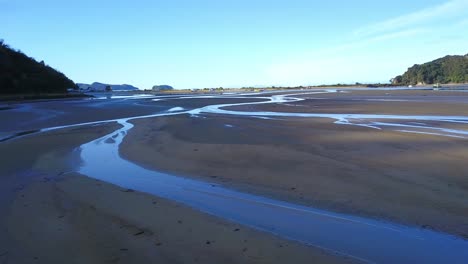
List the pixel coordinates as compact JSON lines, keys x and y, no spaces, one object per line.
{"x":449,"y":69}
{"x":20,"y":74}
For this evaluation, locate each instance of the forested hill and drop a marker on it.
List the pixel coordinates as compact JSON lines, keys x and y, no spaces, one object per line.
{"x":449,"y":69}
{"x":20,"y":74}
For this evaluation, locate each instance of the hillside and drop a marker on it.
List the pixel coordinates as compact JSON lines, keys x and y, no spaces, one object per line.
{"x":101,"y":87}
{"x":20,"y":74}
{"x":449,"y":69}
{"x":163,"y":87}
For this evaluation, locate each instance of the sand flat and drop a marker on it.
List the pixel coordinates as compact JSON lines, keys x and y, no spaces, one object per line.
{"x":389,"y":174}
{"x":51,"y":215}
{"x":408,"y":178}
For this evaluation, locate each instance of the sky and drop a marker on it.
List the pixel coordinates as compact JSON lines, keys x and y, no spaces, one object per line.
{"x":207,"y":43}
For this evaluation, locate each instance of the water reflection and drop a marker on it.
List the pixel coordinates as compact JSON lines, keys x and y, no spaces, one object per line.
{"x":364,"y":239}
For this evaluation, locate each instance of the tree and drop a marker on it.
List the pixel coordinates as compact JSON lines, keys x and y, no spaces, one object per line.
{"x":450,"y":69}
{"x":22,"y":74}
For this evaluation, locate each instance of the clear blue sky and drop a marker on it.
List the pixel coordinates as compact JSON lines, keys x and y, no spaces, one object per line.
{"x":196,"y":44}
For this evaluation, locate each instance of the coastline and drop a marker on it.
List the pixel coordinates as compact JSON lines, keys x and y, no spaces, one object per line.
{"x":56,"y":216}
{"x":24,"y":98}
{"x":296,"y":166}
{"x":415,"y":180}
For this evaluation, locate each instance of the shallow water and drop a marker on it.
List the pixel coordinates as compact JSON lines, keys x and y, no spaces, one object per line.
{"x":374,"y":121}
{"x":20,"y":134}
{"x":363,"y":239}
{"x":364,"y":120}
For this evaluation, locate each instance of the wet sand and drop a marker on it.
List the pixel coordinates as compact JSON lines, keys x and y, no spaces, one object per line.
{"x":25,"y":118}
{"x":31,"y":116}
{"x":52,"y":215}
{"x":88,"y":221}
{"x":373,"y":102}
{"x":412,"y":179}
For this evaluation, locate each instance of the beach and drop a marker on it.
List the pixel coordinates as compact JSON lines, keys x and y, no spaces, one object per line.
{"x":51,"y":214}
{"x":54,"y":213}
{"x":411,"y":179}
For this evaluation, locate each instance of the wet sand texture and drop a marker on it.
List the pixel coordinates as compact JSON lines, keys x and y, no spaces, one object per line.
{"x":408,"y":178}
{"x":52,"y":216}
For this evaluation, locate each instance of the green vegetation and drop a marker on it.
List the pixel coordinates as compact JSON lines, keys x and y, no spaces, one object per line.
{"x":450,"y":69}
{"x":20,"y":74}
{"x":162,"y":88}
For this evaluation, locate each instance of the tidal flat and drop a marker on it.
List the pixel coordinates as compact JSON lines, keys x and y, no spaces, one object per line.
{"x":387,"y":157}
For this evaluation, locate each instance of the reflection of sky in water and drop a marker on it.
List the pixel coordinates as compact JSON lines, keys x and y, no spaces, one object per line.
{"x":365,"y":239}
{"x":134,"y":96}
{"x":356,"y":237}
{"x":363,"y":120}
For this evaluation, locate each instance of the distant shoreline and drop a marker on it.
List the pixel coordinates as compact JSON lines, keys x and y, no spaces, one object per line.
{"x":36,"y":97}
{"x":60,"y":96}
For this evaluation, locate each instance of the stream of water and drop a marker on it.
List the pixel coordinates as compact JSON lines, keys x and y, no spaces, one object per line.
{"x":363,"y":239}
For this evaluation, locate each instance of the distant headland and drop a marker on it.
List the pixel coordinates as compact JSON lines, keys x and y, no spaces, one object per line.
{"x":20,"y":74}
{"x":449,"y":69}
